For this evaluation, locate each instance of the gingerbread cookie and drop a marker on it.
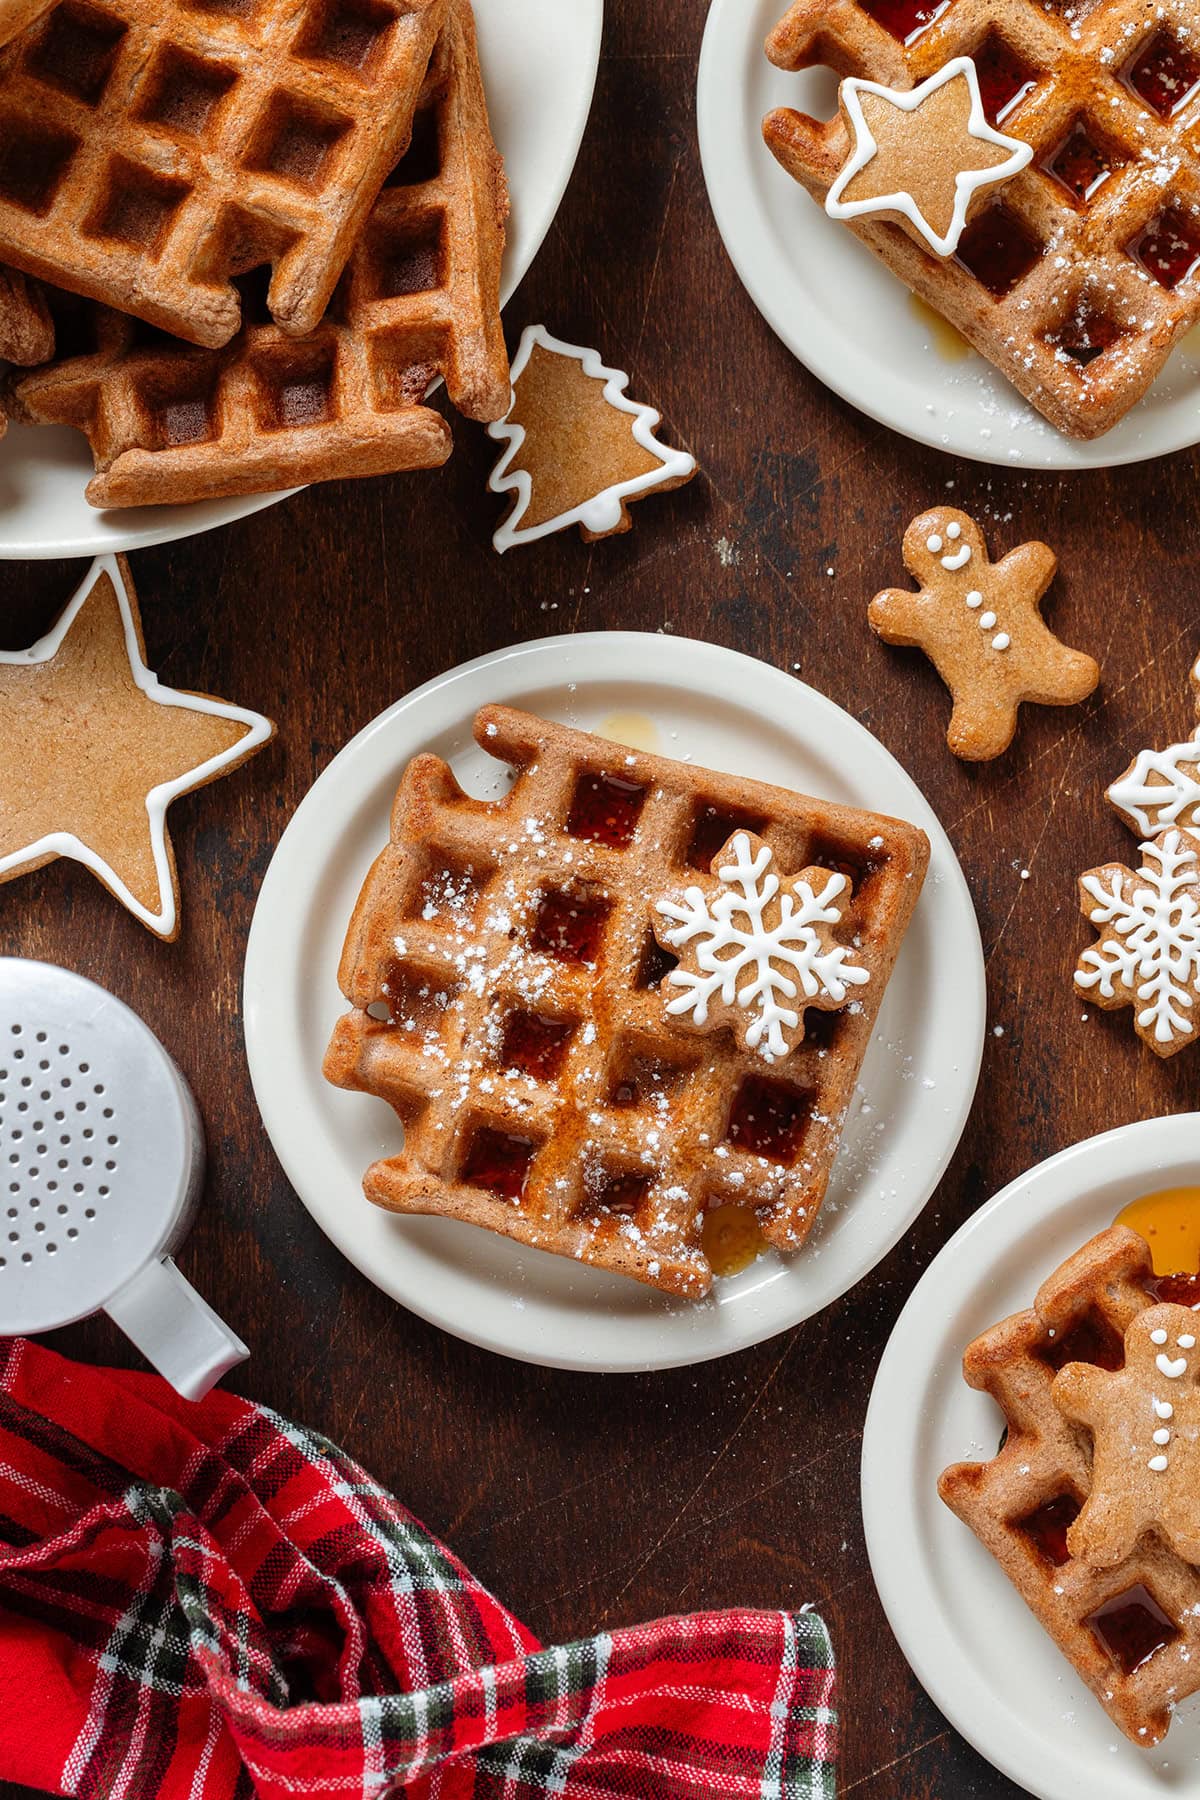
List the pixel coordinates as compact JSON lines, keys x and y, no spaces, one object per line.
{"x":1161,"y":788}
{"x":1148,"y":952}
{"x":979,"y":624}
{"x":1145,"y":1425}
{"x":578,"y":449}
{"x":754,"y":951}
{"x":93,"y":750}
{"x":918,"y":157}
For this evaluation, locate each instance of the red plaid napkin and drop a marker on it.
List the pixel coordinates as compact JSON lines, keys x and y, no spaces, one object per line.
{"x":206,"y":1602}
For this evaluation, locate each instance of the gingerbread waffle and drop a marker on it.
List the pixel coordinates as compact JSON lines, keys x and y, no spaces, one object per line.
{"x":1079,"y":275}
{"x":26,"y":328}
{"x":153,"y":150}
{"x":1132,"y":1631}
{"x":16,"y":15}
{"x":506,"y":986}
{"x":169,"y":423}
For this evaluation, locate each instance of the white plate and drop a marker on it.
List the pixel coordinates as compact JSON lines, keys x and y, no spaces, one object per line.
{"x":539,"y":62}
{"x":847,"y":317}
{"x":969,"y":1636}
{"x":720,"y":709}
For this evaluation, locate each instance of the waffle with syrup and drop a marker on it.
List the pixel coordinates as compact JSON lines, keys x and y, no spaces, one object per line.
{"x":1077,"y":277}
{"x":153,"y":150}
{"x":1131,"y":1631}
{"x":505,"y":985}
{"x":168,"y":423}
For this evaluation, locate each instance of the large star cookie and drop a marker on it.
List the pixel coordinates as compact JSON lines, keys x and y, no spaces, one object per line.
{"x":1161,"y":788}
{"x":93,"y":750}
{"x":1145,"y":1426}
{"x":920,"y":156}
{"x":980,"y":625}
{"x":1148,"y":953}
{"x":755,"y":950}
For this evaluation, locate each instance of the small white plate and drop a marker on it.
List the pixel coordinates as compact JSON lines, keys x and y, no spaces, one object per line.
{"x":846,"y":316}
{"x":539,"y":62}
{"x":972,"y":1641}
{"x":697,"y":702}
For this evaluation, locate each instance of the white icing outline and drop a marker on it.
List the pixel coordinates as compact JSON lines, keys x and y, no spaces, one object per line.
{"x":750,"y":885}
{"x":65,"y":843}
{"x":602,"y":512}
{"x":967,"y":182}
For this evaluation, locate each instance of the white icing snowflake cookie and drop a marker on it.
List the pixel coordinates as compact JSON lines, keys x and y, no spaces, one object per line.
{"x":1161,"y":788}
{"x":1148,"y":953}
{"x":755,"y":950}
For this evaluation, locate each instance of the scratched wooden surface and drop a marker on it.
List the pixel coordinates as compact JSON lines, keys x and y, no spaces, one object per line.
{"x":585,"y":1501}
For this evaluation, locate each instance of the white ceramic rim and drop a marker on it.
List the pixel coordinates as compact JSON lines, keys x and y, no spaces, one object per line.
{"x":1028,"y":1228}
{"x":616,"y":1325}
{"x":583,"y":20}
{"x":863,"y":341}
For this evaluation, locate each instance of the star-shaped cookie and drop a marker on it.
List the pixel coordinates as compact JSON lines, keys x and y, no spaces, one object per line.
{"x":920,"y":156}
{"x":1145,"y":1425}
{"x":93,"y":749}
{"x":980,"y":625}
{"x":1148,"y":953}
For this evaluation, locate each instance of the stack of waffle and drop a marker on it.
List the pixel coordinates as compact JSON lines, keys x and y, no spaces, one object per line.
{"x":243,"y":237}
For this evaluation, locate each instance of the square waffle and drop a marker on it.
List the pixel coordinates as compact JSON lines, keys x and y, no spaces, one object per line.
{"x":26,"y":328}
{"x":169,"y":423}
{"x":1131,"y":1631}
{"x":15,"y":15}
{"x":153,"y":150}
{"x":1081,"y":274}
{"x":505,"y":982}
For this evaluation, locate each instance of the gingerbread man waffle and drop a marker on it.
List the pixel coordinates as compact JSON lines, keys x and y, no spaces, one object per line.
{"x":980,"y":625}
{"x":1145,"y":1426}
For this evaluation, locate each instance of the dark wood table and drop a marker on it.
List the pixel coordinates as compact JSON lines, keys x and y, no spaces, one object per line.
{"x":589,"y":1501}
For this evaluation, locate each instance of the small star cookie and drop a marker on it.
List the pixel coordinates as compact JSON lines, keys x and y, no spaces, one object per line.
{"x":1162,"y":787}
{"x":920,"y":156}
{"x":755,"y":950}
{"x":1145,"y":1426}
{"x":578,"y":448}
{"x":980,"y":625}
{"x":93,"y":750}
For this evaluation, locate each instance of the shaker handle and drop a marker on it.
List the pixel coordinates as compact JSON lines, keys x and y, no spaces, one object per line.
{"x":176,"y":1329}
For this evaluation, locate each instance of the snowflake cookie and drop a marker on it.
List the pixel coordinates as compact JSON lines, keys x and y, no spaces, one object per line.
{"x":1145,"y":1425}
{"x":1148,"y":952}
{"x":1161,"y":788}
{"x":980,"y":625}
{"x":755,"y":950}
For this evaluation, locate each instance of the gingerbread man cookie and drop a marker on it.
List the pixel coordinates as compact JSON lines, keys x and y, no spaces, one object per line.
{"x":980,"y":625}
{"x":1145,"y":1426}
{"x":755,"y":950}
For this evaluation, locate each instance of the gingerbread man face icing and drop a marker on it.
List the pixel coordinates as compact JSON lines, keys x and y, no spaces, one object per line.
{"x":1145,"y":1426}
{"x":980,"y":625}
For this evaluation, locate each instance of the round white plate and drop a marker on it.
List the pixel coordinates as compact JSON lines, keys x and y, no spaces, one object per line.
{"x":846,"y":316}
{"x":539,"y":62}
{"x":690,"y":700}
{"x":973,"y":1643}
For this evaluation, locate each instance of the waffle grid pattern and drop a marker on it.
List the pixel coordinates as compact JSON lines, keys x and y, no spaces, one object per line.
{"x":420,"y":297}
{"x":1099,"y":263}
{"x":1045,"y":1459}
{"x":152,"y":150}
{"x":628,"y":1121}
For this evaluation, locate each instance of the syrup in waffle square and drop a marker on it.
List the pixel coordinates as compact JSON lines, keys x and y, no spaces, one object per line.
{"x":1081,"y":273}
{"x":1132,"y":1631}
{"x":509,"y":999}
{"x":169,"y":423}
{"x":153,"y":150}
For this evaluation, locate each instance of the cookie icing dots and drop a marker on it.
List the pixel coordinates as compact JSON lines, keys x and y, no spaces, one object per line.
{"x":922,"y":155}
